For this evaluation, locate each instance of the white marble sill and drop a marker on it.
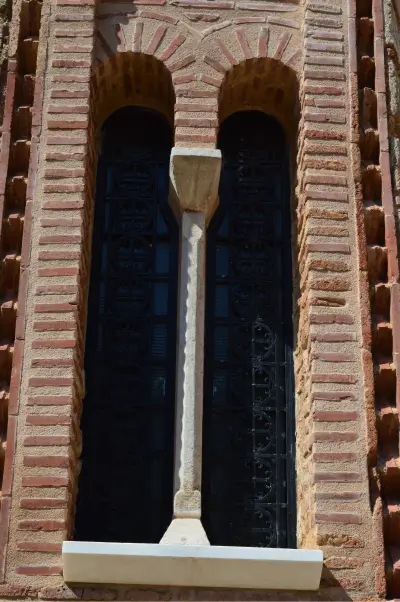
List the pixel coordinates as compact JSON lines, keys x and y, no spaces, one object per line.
{"x":191,"y":566}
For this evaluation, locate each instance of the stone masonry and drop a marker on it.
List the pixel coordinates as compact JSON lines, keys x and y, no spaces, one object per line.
{"x":329,"y":71}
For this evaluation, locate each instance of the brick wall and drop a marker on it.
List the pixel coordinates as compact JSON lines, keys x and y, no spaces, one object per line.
{"x":198,"y":61}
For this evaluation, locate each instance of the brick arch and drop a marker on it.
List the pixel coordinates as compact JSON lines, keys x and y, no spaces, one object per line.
{"x":264,"y":84}
{"x":131,"y":78}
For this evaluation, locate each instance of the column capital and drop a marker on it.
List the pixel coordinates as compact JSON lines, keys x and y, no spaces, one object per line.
{"x":194,"y":174}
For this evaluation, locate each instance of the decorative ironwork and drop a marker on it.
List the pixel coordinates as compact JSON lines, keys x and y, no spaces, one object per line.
{"x":128,"y":415}
{"x":248,"y":471}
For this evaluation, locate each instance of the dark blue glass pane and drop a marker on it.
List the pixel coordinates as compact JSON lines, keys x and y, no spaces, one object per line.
{"x":128,"y":411}
{"x":248,"y":464}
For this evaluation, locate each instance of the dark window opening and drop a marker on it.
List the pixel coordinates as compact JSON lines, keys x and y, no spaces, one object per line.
{"x":125,"y":486}
{"x":249,"y":443}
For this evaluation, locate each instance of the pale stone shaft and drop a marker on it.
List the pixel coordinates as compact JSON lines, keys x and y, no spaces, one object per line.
{"x":194,"y":178}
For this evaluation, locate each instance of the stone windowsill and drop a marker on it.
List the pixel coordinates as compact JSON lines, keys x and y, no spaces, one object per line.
{"x":191,"y":566}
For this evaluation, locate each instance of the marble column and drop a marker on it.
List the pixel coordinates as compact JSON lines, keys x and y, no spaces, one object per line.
{"x":194,"y":175}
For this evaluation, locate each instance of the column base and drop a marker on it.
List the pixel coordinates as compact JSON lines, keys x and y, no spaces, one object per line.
{"x":185,"y":532}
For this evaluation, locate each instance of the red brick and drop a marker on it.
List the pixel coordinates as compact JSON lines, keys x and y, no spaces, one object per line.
{"x":334,"y":436}
{"x":185,"y":93}
{"x":324,"y":74}
{"x":66,"y":78}
{"x":348,"y":518}
{"x":226,"y":52}
{"x":324,"y":135}
{"x":331,"y":416}
{"x":41,"y":525}
{"x":340,"y":496}
{"x":65,"y":156}
{"x":54,"y":272}
{"x":46,"y":481}
{"x":215,"y":64}
{"x":54,"y":344}
{"x":64,"y":173}
{"x":331,"y":319}
{"x":196,"y":107}
{"x":137,"y":37}
{"x":56,"y":325}
{"x":343,"y":562}
{"x":320,"y":247}
{"x":73,"y":49}
{"x":333,"y":357}
{"x":281,"y":46}
{"x":9,"y":458}
{"x":243,"y":20}
{"x":44,"y":441}
{"x":194,"y":138}
{"x":57,"y":93}
{"x":47,"y":461}
{"x":47,"y":420}
{"x":43,"y":503}
{"x":337,"y":477}
{"x":61,"y":221}
{"x":157,"y":37}
{"x":60,"y":239}
{"x":213,"y":81}
{"x":326,"y":179}
{"x":63,"y":188}
{"x":196,"y":123}
{"x":48,"y":308}
{"x":335,"y":456}
{"x":243,"y":43}
{"x":283,"y":22}
{"x":69,"y":63}
{"x":263,"y":42}
{"x":183,"y":79}
{"x":66,"y":109}
{"x":333,"y":378}
{"x":35,"y":546}
{"x":51,"y":382}
{"x":62,"y":205}
{"x":333,"y":396}
{"x":147,"y":14}
{"x":57,"y":289}
{"x":199,"y":4}
{"x":63,"y":124}
{"x":58,"y":255}
{"x":323,"y":117}
{"x":181,"y":63}
{"x":38,"y":569}
{"x":172,"y":47}
{"x":69,"y":140}
{"x":50,"y":400}
{"x":51,"y":363}
{"x":333,"y":337}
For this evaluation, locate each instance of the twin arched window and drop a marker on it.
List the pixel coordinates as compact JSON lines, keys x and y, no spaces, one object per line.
{"x":248,"y":491}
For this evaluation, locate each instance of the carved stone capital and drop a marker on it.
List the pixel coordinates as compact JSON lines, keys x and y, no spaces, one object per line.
{"x":194,"y":174}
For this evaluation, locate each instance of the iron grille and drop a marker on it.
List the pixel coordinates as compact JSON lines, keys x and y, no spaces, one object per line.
{"x":248,"y":472}
{"x":128,"y":411}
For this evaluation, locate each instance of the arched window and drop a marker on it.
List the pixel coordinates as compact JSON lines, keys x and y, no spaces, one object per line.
{"x":125,"y":486}
{"x":249,"y":443}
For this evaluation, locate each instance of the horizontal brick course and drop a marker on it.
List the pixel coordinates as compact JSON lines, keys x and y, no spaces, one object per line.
{"x":43,"y":503}
{"x":41,"y":525}
{"x":46,"y":481}
{"x":51,"y":382}
{"x":50,"y":400}
{"x":337,"y":477}
{"x":349,"y":518}
{"x":331,"y":416}
{"x":38,"y":569}
{"x":34,"y":546}
{"x":47,"y":461}
{"x":43,"y":420}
